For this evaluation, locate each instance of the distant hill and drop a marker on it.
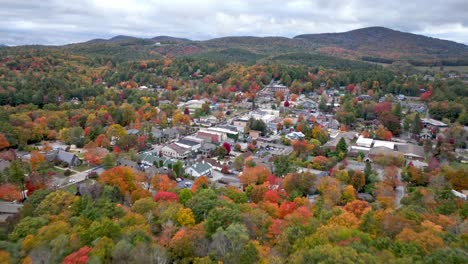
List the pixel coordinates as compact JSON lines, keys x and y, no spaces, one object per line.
{"x":379,"y":42}
{"x":373,"y":44}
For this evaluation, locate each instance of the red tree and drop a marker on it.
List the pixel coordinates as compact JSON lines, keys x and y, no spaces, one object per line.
{"x":78,"y":257}
{"x":286,"y":104}
{"x":227,"y":146}
{"x":3,"y":142}
{"x":9,"y":192}
{"x":166,"y":196}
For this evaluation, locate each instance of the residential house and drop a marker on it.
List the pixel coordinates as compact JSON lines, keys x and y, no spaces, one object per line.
{"x":8,"y":209}
{"x":207,"y":148}
{"x":295,"y":135}
{"x":129,"y":164}
{"x":171,"y":133}
{"x":254,"y":134}
{"x":432,"y":123}
{"x":200,"y":169}
{"x":426,"y":134}
{"x":347,"y":136}
{"x":65,"y":157}
{"x":411,"y":151}
{"x":214,"y":164}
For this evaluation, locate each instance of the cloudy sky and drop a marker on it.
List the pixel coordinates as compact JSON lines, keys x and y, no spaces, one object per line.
{"x":60,"y":22}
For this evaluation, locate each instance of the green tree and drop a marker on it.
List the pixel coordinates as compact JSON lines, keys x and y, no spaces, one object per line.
{"x":16,"y":174}
{"x":416,"y":125}
{"x":109,"y":161}
{"x":283,"y":165}
{"x":178,"y":168}
{"x":221,"y":217}
{"x":397,"y":110}
{"x":184,"y":196}
{"x":342,"y":147}
{"x":202,"y":203}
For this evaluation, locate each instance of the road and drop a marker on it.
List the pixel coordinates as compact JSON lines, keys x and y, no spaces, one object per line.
{"x":77,"y":177}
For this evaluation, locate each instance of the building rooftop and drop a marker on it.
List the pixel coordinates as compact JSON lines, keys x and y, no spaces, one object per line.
{"x":364,"y":142}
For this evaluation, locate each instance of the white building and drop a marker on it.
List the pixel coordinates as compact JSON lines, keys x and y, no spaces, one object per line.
{"x":199,"y":169}
{"x":175,"y":151}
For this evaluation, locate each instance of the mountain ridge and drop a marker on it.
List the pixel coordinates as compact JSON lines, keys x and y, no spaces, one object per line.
{"x":375,"y":44}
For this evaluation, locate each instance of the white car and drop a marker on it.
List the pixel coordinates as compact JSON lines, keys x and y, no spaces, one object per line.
{"x":178,"y":179}
{"x":71,"y":181}
{"x":187,"y":184}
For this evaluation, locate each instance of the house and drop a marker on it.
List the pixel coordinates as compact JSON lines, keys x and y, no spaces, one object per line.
{"x":254,"y":134}
{"x":8,"y":209}
{"x":207,"y":148}
{"x":411,"y":151}
{"x":171,"y":133}
{"x":241,"y":123}
{"x":214,"y":164}
{"x":175,"y":151}
{"x":269,"y":91}
{"x":425,"y":134}
{"x":295,"y":135}
{"x":129,"y":164}
{"x":199,"y":169}
{"x":63,"y":156}
{"x":381,"y":151}
{"x":432,"y":123}
{"x":348,"y":137}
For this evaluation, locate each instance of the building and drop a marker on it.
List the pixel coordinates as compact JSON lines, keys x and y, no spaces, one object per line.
{"x":411,"y":151}
{"x":432,"y":123}
{"x":226,"y":131}
{"x":240,"y":123}
{"x":271,"y":89}
{"x":348,"y":137}
{"x":8,"y":209}
{"x":364,"y":142}
{"x":175,"y":151}
{"x":200,"y":169}
{"x":210,"y":136}
{"x":65,"y":157}
{"x":254,"y":134}
{"x":295,"y":135}
{"x":129,"y":164}
{"x":189,"y":143}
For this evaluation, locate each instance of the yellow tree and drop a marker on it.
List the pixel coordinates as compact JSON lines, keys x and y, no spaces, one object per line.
{"x":185,"y":217}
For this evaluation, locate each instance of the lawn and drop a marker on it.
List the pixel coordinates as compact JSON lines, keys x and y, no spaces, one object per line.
{"x":71,"y":189}
{"x":82,"y":167}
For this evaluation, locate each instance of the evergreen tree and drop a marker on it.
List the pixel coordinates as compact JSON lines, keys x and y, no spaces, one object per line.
{"x":342,"y":147}
{"x":397,"y":110}
{"x":416,"y":126}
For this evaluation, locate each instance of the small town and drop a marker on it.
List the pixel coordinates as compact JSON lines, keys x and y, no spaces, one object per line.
{"x":233,"y":132}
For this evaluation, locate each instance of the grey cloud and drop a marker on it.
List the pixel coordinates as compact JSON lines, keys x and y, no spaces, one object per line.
{"x":60,"y":22}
